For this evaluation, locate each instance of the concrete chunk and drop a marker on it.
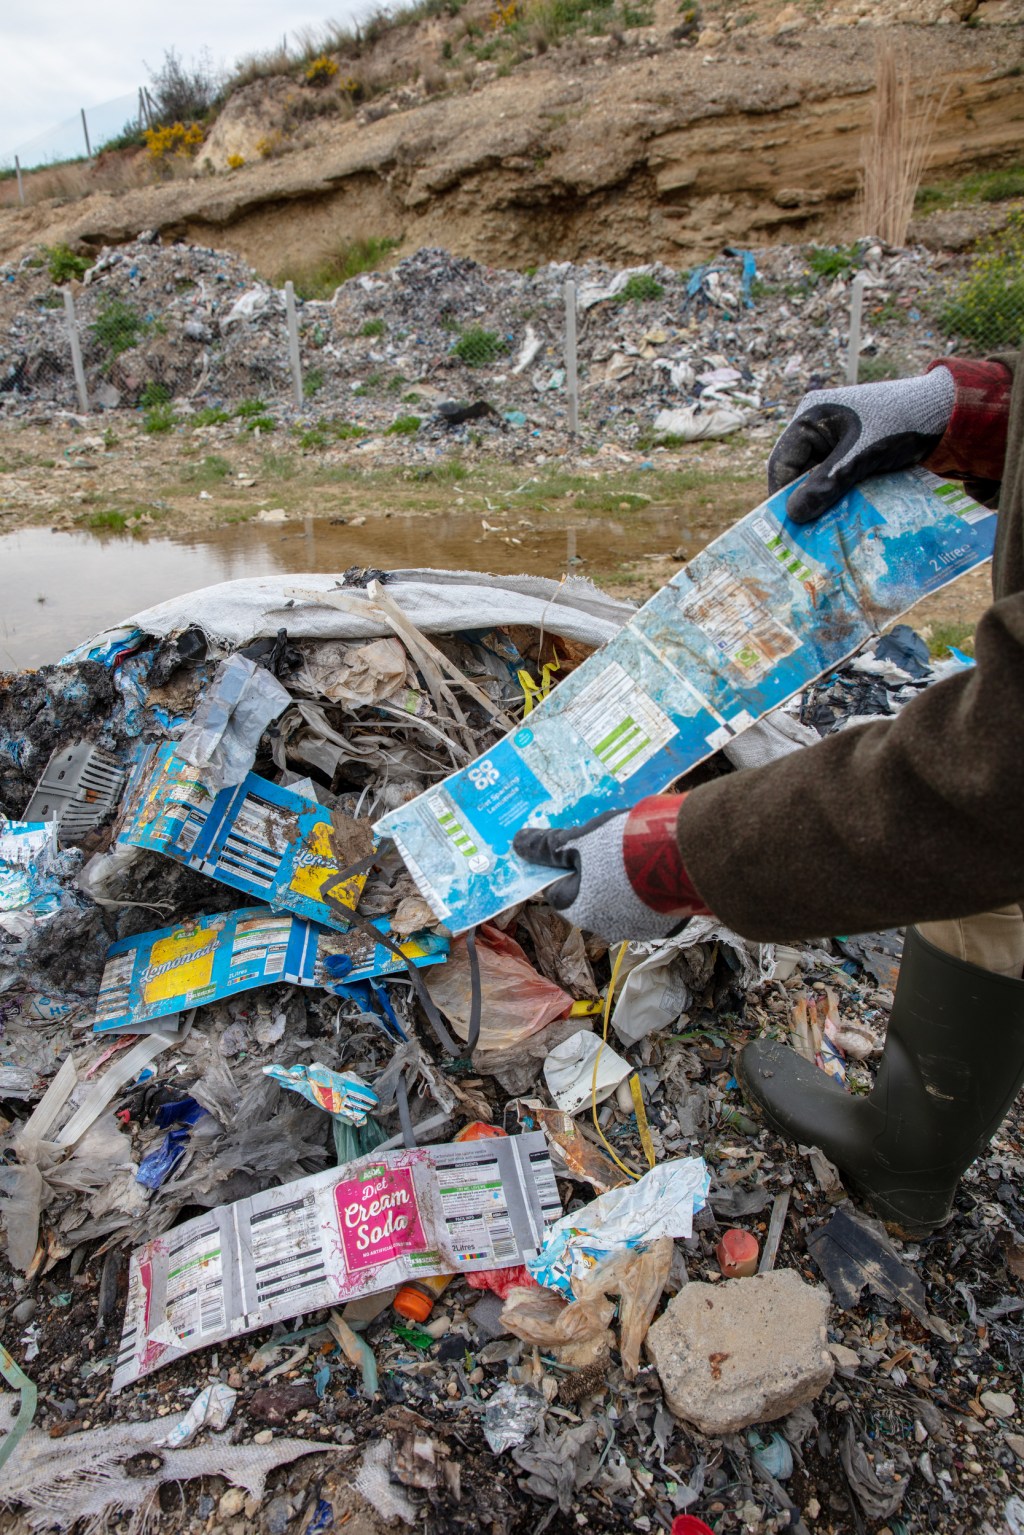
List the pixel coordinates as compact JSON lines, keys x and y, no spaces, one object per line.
{"x":742,"y":1352}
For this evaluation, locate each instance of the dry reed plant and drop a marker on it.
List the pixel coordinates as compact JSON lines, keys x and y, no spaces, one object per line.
{"x":896,"y":149}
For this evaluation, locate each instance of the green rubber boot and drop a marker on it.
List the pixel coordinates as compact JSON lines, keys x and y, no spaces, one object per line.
{"x":953,"y":1064}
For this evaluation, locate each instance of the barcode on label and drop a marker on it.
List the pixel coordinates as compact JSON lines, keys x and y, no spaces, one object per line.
{"x":621,"y":725}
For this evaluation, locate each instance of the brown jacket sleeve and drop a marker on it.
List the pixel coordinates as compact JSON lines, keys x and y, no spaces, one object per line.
{"x":907,"y":820}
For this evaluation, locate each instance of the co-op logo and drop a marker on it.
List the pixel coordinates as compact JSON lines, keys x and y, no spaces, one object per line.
{"x":484,"y":774}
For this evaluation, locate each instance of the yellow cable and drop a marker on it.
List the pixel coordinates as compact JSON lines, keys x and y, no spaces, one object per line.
{"x":597,"y":1058}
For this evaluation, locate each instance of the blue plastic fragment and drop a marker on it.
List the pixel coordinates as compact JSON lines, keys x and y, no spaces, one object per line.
{"x":323,"y":1518}
{"x":185,"y":1112}
{"x":159,"y":1163}
{"x":774,"y":1454}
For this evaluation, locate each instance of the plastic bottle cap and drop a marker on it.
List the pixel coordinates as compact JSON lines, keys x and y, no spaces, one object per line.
{"x":413,"y":1304}
{"x":688,"y":1524}
{"x":737,"y":1254}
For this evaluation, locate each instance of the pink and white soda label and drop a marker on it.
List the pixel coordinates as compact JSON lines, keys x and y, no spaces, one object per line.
{"x":379,"y":1218}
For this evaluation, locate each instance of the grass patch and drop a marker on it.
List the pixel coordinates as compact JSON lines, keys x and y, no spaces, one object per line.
{"x":160,"y":418}
{"x":155,"y":394}
{"x":826,"y":263}
{"x":118,"y":327}
{"x":106,"y":522}
{"x":321,"y":280}
{"x":210,"y":471}
{"x":941,"y":637}
{"x":372,"y":328}
{"x":878,"y":370}
{"x":404,"y":426}
{"x":641,"y":288}
{"x":450,"y":471}
{"x":312,"y":382}
{"x":326,"y":431}
{"x":987,"y":187}
{"x":987,"y":308}
{"x":280,"y":466}
{"x":477,"y":347}
{"x":210,"y":415}
{"x":255,"y":416}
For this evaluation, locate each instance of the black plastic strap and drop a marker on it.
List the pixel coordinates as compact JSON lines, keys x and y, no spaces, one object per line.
{"x":423,"y":996}
{"x":404,"y":1115}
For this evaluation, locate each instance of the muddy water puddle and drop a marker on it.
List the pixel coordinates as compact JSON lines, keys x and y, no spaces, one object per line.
{"x":58,"y":588}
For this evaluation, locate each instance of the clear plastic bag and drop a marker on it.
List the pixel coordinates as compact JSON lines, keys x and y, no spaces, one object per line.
{"x":577,"y":1331}
{"x":225,"y":730}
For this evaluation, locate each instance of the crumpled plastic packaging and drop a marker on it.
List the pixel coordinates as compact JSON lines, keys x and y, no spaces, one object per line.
{"x":340,"y":1093}
{"x":225,"y":730}
{"x":661,"y":1203}
{"x":569,"y":1071}
{"x":212,"y":1408}
{"x":512,"y":1414}
{"x":579,"y":1335}
{"x":516,"y":1000}
{"x":158,"y":1164}
{"x":32,"y":870}
{"x":579,"y":1332}
{"x":693,"y":424}
{"x":358,"y":674}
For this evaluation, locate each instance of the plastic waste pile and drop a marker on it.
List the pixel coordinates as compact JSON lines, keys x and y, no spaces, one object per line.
{"x":249,"y":1082}
{"x":459,"y":352}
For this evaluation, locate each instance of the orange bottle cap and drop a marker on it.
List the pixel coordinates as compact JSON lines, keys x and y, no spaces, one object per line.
{"x":413,"y":1304}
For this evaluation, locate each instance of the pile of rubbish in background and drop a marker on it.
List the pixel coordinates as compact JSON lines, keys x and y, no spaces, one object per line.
{"x":253,"y":1095}
{"x":452,"y":349}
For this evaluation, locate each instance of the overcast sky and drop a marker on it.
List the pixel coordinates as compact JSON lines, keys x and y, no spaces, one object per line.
{"x":60,"y":55}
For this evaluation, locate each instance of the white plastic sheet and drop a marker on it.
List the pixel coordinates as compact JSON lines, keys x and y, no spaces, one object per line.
{"x":235,"y":613}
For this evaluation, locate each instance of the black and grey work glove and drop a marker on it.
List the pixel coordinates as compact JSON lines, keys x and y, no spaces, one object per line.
{"x":846,"y":435}
{"x":625,"y":876}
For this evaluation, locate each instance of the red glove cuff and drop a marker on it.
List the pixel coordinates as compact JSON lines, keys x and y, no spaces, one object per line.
{"x":654,"y":864}
{"x":974,"y":443}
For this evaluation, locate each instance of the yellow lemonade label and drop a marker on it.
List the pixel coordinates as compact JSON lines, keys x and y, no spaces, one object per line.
{"x":183,"y":962}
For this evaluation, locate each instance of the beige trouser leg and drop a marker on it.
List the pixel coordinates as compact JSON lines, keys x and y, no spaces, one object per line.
{"x":993,"y":940}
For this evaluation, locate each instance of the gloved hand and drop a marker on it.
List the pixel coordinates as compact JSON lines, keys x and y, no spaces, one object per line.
{"x":626,"y":877}
{"x":852,"y":433}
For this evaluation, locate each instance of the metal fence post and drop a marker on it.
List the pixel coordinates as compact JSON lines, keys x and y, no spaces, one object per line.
{"x":571,"y":380}
{"x":76,"y":352}
{"x":21,"y":184}
{"x":293,"y":342}
{"x":856,"y":310}
{"x":85,"y":130}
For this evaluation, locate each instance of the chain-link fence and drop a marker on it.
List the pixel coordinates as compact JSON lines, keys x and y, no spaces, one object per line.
{"x":190,"y":335}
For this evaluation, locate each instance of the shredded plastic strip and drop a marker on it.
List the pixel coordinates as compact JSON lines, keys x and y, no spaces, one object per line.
{"x":634,"y":1177}
{"x":16,"y":1377}
{"x":636,"y":1093}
